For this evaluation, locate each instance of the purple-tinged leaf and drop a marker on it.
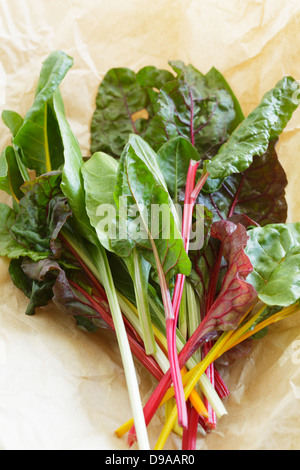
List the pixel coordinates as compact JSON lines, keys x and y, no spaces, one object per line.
{"x":258,"y":193}
{"x":194,"y":107}
{"x":236,"y":295}
{"x":124,"y":105}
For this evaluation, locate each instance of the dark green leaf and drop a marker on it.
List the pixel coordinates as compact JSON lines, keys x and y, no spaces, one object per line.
{"x":124,"y":106}
{"x":72,"y":181}
{"x":122,"y":277}
{"x":11,"y":178}
{"x":189,"y":107}
{"x":9,"y":246}
{"x":36,"y":280}
{"x":38,"y":137}
{"x":19,"y":278}
{"x":216,"y":80}
{"x":43,"y":211}
{"x":264,"y":124}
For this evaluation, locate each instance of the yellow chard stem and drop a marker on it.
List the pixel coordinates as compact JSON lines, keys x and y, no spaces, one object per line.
{"x":191,"y":378}
{"x":269,"y":321}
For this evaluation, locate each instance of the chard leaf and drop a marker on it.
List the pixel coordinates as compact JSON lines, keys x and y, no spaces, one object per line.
{"x":216,"y":80}
{"x":174,"y":159}
{"x":202,"y":274}
{"x":138,"y":182}
{"x":274,"y":251}
{"x":19,"y":278}
{"x":99,"y":176}
{"x":236,"y":295}
{"x":33,"y":231}
{"x":264,"y":124}
{"x":43,"y":212}
{"x":121,"y":277}
{"x":72,"y":302}
{"x":13,"y":121}
{"x":195,"y":107}
{"x":11,"y":178}
{"x":34,"y":282}
{"x":72,"y":182}
{"x":4,"y":176}
{"x":38,"y":136}
{"x":9,"y":246}
{"x":46,"y":281}
{"x":219,"y":275}
{"x":124,"y":106}
{"x":258,"y":192}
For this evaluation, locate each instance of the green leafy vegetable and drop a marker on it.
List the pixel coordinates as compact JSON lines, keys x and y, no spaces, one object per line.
{"x":9,"y":246}
{"x":11,"y":178}
{"x":258,"y":192}
{"x":274,"y":251}
{"x":190,"y":107}
{"x":73,"y":188}
{"x":38,"y":136}
{"x":124,"y":106}
{"x":103,"y":238}
{"x":174,"y":159}
{"x":42,"y":214}
{"x":137,"y":182}
{"x":100,"y":175}
{"x":264,"y":124}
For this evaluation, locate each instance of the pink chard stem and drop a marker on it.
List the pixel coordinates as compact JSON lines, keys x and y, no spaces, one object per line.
{"x":192,"y":193}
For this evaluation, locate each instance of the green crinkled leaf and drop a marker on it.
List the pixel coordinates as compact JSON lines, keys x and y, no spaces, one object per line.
{"x":43,"y":212}
{"x":274,"y":251}
{"x":35,"y":283}
{"x":216,"y":80}
{"x":38,"y":137}
{"x":33,"y":230}
{"x":195,"y":107}
{"x":9,"y":246}
{"x":121,"y":95}
{"x":264,"y":124}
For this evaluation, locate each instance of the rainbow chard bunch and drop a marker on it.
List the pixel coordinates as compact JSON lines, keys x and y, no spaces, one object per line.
{"x":172,"y":233}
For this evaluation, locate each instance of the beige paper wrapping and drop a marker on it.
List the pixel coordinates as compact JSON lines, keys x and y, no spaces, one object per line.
{"x":60,"y":388}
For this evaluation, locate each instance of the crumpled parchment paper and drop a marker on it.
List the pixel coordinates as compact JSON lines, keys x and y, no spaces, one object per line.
{"x":61,"y":389}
